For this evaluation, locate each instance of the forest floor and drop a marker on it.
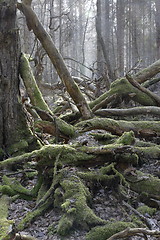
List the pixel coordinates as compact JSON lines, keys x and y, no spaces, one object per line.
{"x":105,"y":204}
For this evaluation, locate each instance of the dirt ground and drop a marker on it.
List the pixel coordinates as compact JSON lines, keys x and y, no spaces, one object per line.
{"x":105,"y":204}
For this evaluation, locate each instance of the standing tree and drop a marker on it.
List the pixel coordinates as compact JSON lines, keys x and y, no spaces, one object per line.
{"x":65,"y":173}
{"x":14,"y":134}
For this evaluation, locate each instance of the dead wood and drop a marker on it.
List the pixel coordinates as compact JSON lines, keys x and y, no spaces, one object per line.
{"x":141,"y":88}
{"x":144,"y":129}
{"x":148,"y":221}
{"x":142,"y":232}
{"x":155,"y":111}
{"x":148,"y":72}
{"x":56,"y":58}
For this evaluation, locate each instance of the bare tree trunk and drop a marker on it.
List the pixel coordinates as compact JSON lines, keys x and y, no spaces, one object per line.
{"x":157,"y":20}
{"x":101,"y":41}
{"x":56,"y":58}
{"x":120,"y":36}
{"x":13,"y":127}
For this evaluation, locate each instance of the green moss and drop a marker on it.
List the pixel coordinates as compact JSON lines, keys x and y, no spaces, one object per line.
{"x":31,"y":85}
{"x":4,"y":202}
{"x":65,"y":224}
{"x":104,"y":232}
{"x":123,"y":87}
{"x":42,"y":190}
{"x":58,"y":197}
{"x":7,"y":190}
{"x":108,"y":175}
{"x":145,"y":209}
{"x":151,"y":152}
{"x":145,"y":183}
{"x":16,"y":186}
{"x":5,"y":226}
{"x":65,"y":206}
{"x":18,"y":147}
{"x":136,"y":220}
{"x":75,"y":207}
{"x":127,"y":138}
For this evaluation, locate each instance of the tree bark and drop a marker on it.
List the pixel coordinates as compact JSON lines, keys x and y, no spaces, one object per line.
{"x":148,"y":72}
{"x":13,"y":127}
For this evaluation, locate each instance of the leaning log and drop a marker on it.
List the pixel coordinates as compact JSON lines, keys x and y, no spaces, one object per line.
{"x":56,"y":58}
{"x":140,"y":128}
{"x":155,"y":111}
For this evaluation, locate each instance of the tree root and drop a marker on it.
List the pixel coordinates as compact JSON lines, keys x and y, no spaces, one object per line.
{"x":75,"y":207}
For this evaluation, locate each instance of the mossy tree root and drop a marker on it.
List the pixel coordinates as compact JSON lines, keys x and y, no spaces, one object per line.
{"x":75,"y":202}
{"x":30,"y":216}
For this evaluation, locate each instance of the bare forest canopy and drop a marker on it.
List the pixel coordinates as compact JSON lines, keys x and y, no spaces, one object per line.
{"x":79,"y":118}
{"x":128,"y":36}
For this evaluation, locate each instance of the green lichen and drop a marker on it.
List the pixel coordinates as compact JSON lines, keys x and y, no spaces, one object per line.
{"x":104,"y":232}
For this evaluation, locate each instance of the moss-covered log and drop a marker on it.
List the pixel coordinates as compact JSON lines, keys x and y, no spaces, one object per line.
{"x":56,"y":58}
{"x":155,"y":111}
{"x":148,"y":72}
{"x":108,"y":230}
{"x":5,"y":225}
{"x":145,"y":183}
{"x":75,"y":205}
{"x":31,"y":85}
{"x":140,"y":128}
{"x":122,"y":87}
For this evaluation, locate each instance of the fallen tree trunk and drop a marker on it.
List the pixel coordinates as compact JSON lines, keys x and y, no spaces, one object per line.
{"x":31,"y":86}
{"x":56,"y":58}
{"x":122,"y":87}
{"x":140,"y":128}
{"x":141,"y":88}
{"x":148,"y":73}
{"x":155,"y":111}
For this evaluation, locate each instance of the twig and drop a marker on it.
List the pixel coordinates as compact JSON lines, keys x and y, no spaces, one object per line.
{"x":149,"y":223}
{"x":133,"y":232}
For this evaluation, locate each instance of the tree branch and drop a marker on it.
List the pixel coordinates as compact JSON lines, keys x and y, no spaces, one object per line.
{"x":133,"y":232}
{"x":148,"y":92}
{"x":128,"y":112}
{"x":56,"y":58}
